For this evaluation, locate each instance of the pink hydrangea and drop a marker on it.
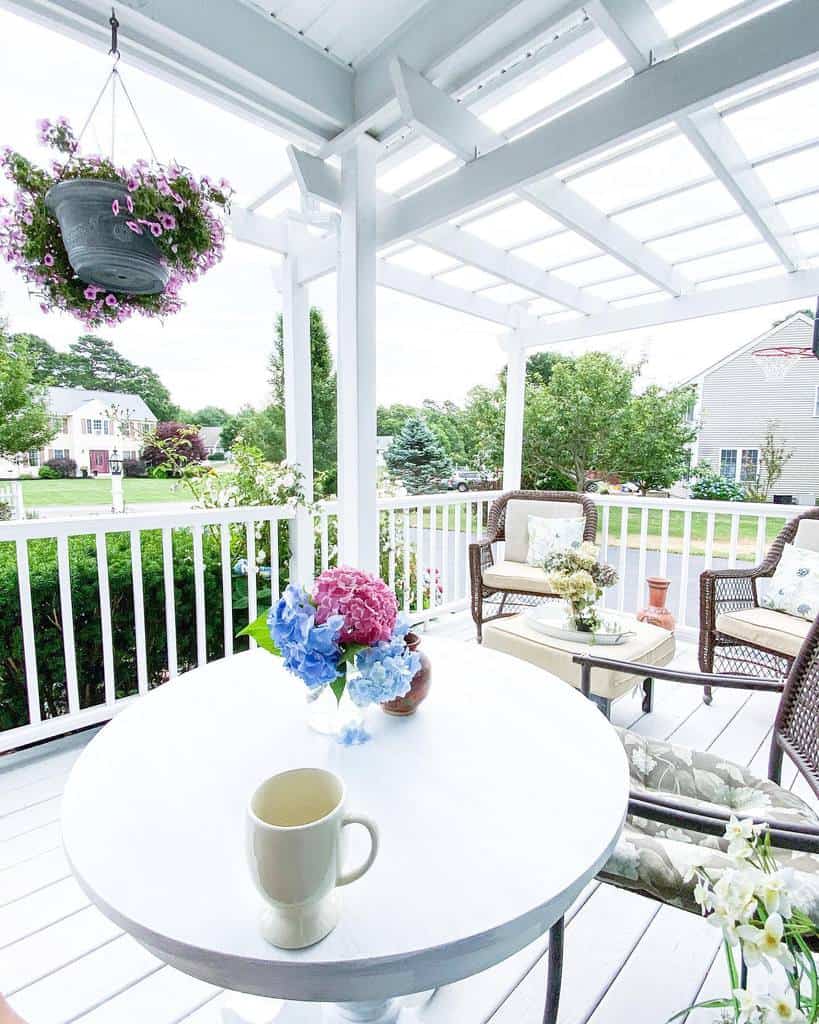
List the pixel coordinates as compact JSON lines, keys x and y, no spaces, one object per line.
{"x":366,"y":602}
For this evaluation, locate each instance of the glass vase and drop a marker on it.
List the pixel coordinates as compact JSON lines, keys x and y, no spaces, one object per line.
{"x":342,"y":719}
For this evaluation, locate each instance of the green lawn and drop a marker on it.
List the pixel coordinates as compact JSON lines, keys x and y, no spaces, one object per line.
{"x":41,"y":493}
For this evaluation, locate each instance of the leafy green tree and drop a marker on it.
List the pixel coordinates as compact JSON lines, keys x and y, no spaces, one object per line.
{"x":46,"y":361}
{"x":445,"y":420}
{"x":573,"y":423}
{"x":260,"y":428}
{"x":323,"y":380}
{"x":391,"y":418}
{"x":208,"y":416}
{"x":483,"y":419}
{"x":24,"y":421}
{"x":416,"y":458}
{"x":653,"y":439}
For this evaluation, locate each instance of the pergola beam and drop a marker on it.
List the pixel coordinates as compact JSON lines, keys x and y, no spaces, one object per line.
{"x":436,"y":113}
{"x":752,"y":52}
{"x":232,"y":56}
{"x":634,"y":29}
{"x":766,"y":291}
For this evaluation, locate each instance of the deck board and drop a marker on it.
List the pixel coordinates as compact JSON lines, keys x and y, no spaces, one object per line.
{"x":61,"y":961}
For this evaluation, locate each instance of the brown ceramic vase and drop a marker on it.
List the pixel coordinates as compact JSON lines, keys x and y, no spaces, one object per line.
{"x":419,"y":687}
{"x":656,"y":614}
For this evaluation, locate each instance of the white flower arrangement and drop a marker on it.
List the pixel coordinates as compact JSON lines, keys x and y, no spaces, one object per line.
{"x":752,"y":903}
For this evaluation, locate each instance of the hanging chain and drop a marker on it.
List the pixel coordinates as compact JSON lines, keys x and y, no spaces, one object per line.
{"x":114,"y":51}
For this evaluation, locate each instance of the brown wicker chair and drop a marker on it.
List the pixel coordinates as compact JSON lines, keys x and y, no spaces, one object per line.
{"x":727,"y":591}
{"x":663,"y":821}
{"x":495,"y":599}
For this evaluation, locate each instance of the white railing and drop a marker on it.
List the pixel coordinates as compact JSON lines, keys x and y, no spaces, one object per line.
{"x":678,"y":539}
{"x":111,"y":605}
{"x":11,"y":494}
{"x":424,"y":543}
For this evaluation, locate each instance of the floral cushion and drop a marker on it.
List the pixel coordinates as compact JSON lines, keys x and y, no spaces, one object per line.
{"x":549,"y":535}
{"x":794,"y":586}
{"x":653,"y":858}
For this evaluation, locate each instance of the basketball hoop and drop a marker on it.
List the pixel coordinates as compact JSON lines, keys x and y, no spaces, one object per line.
{"x":776,"y":362}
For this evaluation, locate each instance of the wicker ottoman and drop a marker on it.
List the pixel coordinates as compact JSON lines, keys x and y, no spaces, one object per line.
{"x":651,"y":646}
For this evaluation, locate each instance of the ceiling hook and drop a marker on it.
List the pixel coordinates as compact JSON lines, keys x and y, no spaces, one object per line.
{"x":114,"y":23}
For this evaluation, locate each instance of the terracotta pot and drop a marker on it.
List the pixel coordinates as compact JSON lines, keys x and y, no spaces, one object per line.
{"x":419,"y":687}
{"x":101,"y":248}
{"x":656,"y":614}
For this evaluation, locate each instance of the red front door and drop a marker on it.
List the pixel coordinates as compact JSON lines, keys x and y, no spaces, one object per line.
{"x":98,"y":462}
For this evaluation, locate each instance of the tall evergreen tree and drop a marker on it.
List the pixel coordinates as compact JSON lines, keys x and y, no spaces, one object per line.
{"x":417,"y":458}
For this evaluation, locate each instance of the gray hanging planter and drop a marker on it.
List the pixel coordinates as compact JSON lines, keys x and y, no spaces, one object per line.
{"x":101,"y":248}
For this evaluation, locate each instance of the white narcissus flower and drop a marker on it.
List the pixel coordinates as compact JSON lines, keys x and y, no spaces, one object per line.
{"x":782,"y":1008}
{"x":761,"y":944}
{"x":739,"y":835}
{"x":774,"y":892}
{"x":746,"y":1004}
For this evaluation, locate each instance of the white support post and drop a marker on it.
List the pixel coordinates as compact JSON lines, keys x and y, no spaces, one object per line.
{"x":513,"y":421}
{"x":298,"y":400}
{"x":358,"y":522}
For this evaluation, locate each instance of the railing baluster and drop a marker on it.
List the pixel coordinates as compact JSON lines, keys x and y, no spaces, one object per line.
{"x":641,"y":564}
{"x":199,"y":596}
{"x":709,"y":540}
{"x":139,"y":611}
{"x":604,"y":534}
{"x":407,"y":562}
{"x":664,"y":525}
{"x":227,"y":588}
{"x":391,"y":552}
{"x":467,"y":542}
{"x":252,"y":569}
{"x":105,"y":619}
{"x":325,"y":541}
{"x":458,"y":553}
{"x":761,"y":534}
{"x":445,"y":584}
{"x":29,"y":643}
{"x":275,"y":586}
{"x":170,"y":601}
{"x":419,"y":559}
{"x":732,"y":544}
{"x":686,"y":556}
{"x":67,"y":622}
{"x":621,"y":569}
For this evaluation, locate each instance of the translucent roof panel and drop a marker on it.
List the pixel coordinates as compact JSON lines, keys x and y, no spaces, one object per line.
{"x":802,"y":212}
{"x":558,"y":250}
{"x":747,"y":278}
{"x":428,"y":159}
{"x":639,"y":300}
{"x":672,"y":163}
{"x":513,"y":225}
{"x":551,"y":87}
{"x":544,"y":307}
{"x":557,"y":318}
{"x":600,"y":268}
{"x":469,"y":278}
{"x":288,"y":199}
{"x":776,"y":123}
{"x":735,"y":262}
{"x":674,"y":213}
{"x":680,"y":15}
{"x":424,"y":260}
{"x":809,"y":241}
{"x":791,"y":173}
{"x":699,"y":241}
{"x":625,"y":288}
{"x":508,"y":293}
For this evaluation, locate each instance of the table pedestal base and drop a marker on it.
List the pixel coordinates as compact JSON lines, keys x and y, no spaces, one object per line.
{"x":403,"y":1010}
{"x":377,"y":1012}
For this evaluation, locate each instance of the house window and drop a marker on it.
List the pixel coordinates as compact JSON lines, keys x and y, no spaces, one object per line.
{"x":34,"y":458}
{"x":749,"y":465}
{"x":61,"y":453}
{"x":97,"y":426}
{"x":728,"y":463}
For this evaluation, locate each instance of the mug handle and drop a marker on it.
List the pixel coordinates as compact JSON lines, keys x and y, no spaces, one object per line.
{"x":350,"y":876}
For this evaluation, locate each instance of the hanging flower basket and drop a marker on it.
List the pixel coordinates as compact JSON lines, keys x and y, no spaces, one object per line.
{"x":104,"y":242}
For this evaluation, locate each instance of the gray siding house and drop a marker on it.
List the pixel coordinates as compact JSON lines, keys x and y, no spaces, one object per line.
{"x":736,"y":402}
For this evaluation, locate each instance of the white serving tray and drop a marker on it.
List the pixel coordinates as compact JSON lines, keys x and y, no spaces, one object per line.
{"x":551,"y":621}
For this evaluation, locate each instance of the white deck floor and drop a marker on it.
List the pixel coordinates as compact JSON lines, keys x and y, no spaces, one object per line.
{"x":627,"y":959}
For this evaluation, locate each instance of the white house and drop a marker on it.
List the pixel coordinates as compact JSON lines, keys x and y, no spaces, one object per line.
{"x":736,"y":403}
{"x":211,"y":438}
{"x":88,"y":426}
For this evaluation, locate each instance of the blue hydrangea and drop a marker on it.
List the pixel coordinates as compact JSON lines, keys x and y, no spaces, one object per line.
{"x":311,"y":652}
{"x":386,"y":670}
{"x":353,"y":735}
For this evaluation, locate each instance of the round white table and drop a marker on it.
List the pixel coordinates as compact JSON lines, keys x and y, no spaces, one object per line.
{"x":496,"y":803}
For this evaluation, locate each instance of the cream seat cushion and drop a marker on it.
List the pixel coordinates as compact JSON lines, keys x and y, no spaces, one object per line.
{"x":506,"y":575}
{"x":516,"y":526}
{"x":807,"y":535}
{"x":766,"y":628}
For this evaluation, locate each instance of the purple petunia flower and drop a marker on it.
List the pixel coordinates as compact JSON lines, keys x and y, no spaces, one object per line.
{"x":111,"y":301}
{"x":130,"y":204}
{"x":115,"y":207}
{"x":132,"y":183}
{"x":48,"y":259}
{"x":91,"y":292}
{"x":28,"y":217}
{"x":168,"y":221}
{"x":132,"y":224}
{"x":156,"y":229}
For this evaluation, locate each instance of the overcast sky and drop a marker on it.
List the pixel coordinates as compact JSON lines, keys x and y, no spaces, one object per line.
{"x":215,"y":351}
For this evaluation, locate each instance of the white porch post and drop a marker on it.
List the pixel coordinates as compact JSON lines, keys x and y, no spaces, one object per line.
{"x":358,"y":519}
{"x":298,"y":399}
{"x":513,"y":421}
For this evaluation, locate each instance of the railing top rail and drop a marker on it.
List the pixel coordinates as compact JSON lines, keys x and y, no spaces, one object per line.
{"x":32,"y":529}
{"x":439,"y":498}
{"x":742,"y":508}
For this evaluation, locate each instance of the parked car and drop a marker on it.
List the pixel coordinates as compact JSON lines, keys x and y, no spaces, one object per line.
{"x":603,"y":486}
{"x":469,"y":480}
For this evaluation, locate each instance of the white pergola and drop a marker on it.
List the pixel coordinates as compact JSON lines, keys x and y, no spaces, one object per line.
{"x":413,"y":177}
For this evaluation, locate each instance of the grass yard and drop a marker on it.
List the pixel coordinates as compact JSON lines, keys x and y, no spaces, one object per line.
{"x":44,"y":493}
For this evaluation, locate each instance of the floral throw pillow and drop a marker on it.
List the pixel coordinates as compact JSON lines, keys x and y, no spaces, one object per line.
{"x":546,"y":536}
{"x":794,"y":586}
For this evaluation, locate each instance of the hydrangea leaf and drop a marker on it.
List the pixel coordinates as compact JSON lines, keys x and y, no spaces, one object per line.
{"x":338,"y":685}
{"x":260,"y":632}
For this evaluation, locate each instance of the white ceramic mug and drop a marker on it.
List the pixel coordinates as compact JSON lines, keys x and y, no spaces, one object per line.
{"x":294,"y":826}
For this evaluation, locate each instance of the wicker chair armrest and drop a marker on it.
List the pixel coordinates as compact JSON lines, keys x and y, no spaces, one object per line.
{"x":636,"y":668}
{"x":480,"y":556}
{"x":786,"y":835}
